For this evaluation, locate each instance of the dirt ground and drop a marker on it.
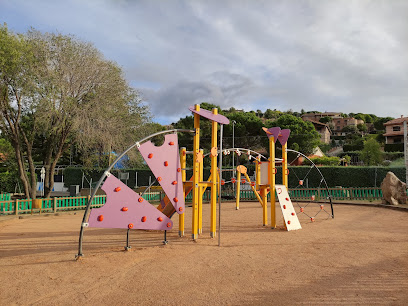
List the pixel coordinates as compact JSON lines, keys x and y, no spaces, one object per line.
{"x":360,"y":257}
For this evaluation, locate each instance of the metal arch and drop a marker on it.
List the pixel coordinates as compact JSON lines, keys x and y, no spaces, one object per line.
{"x":324,"y":180}
{"x":136,"y":144}
{"x":242,"y":149}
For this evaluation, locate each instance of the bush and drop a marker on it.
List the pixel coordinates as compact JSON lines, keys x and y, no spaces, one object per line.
{"x":8,"y":182}
{"x":353,"y":147}
{"x":394,"y":147}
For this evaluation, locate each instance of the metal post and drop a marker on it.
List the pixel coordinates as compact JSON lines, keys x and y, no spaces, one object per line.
{"x":233,"y":151}
{"x":127,"y":247}
{"x":219,"y":182}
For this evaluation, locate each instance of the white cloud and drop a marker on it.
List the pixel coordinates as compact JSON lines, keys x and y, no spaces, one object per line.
{"x":323,"y":55}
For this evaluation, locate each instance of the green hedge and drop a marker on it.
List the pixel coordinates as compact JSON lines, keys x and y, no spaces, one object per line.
{"x":344,"y":176}
{"x":394,"y":147}
{"x":335,"y":176}
{"x":350,"y":147}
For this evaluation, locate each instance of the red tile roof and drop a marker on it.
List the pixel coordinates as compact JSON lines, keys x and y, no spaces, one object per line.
{"x":396,"y":121}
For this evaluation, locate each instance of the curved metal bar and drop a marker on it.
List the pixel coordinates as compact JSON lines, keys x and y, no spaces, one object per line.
{"x":324,"y":180}
{"x":242,"y":149}
{"x":137,"y":143}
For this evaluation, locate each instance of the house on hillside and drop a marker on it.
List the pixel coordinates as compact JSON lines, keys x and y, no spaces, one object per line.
{"x":323,"y":130}
{"x":394,"y":130}
{"x":340,"y":123}
{"x":318,"y":116}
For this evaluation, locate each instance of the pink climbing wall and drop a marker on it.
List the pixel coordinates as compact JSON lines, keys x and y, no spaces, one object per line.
{"x":164,"y":161}
{"x":124,"y":208}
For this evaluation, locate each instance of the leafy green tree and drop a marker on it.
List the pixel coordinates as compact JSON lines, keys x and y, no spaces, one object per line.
{"x":302,"y":132}
{"x":60,"y":90}
{"x":362,"y":127}
{"x":326,"y":119}
{"x":379,"y":123}
{"x":350,"y":129}
{"x":272,"y":114}
{"x":371,"y":153}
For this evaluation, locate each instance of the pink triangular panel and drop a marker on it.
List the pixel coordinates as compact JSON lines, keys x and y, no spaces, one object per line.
{"x":284,"y":136}
{"x":164,"y":161}
{"x":123,"y":209}
{"x":272,"y":132}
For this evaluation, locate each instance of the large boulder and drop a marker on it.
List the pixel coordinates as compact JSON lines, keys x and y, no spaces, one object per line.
{"x":394,"y":191}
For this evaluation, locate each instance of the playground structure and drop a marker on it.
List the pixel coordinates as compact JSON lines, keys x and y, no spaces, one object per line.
{"x":126,"y":209}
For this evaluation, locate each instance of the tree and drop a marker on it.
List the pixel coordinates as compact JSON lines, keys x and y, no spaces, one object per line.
{"x":371,"y":153}
{"x":272,"y":114}
{"x":350,"y":129}
{"x":379,"y":123}
{"x":326,"y":119}
{"x":362,"y":127}
{"x":302,"y":132}
{"x":62,"y":91}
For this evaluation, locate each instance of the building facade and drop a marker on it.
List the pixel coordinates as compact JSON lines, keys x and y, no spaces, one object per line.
{"x":394,"y":130}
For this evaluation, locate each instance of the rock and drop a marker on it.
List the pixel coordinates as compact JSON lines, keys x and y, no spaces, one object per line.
{"x":394,"y":191}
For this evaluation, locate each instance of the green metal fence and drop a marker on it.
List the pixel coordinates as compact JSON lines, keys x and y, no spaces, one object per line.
{"x":8,"y":206}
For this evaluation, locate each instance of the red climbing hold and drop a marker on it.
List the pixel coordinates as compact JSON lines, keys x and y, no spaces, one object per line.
{"x":252,"y":184}
{"x":292,"y":214}
{"x":175,"y":200}
{"x":124,"y":209}
{"x":178,"y":169}
{"x":180,"y":208}
{"x":289,"y":222}
{"x":312,"y":219}
{"x":117,"y":189}
{"x":160,"y":219}
{"x":243,"y":181}
{"x":287,"y":199}
{"x":174,"y":182}
{"x":159,"y":179}
{"x":171,"y":143}
{"x":100,"y":218}
{"x":130,"y":225}
{"x":140,"y":199}
{"x":150,"y":155}
{"x":144,"y":219}
{"x":169,"y":224}
{"x":233,"y":180}
{"x":284,"y":206}
{"x":321,"y":206}
{"x":222,"y":182}
{"x":302,"y":209}
{"x":166,"y":163}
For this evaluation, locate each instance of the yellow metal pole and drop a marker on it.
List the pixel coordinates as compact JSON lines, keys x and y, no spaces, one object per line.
{"x":272,"y":170}
{"x":257,"y":174}
{"x":183,"y":164}
{"x":285,"y":165}
{"x":214,"y":174}
{"x":196,"y":174}
{"x":238,"y":190}
{"x":200,"y":199}
{"x":264,"y":205}
{"x":253,"y":189}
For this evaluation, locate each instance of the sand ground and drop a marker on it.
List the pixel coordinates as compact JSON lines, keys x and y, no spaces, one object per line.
{"x":360,"y":257}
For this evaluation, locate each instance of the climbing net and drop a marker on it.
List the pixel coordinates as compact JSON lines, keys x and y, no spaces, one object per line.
{"x":310,"y":196}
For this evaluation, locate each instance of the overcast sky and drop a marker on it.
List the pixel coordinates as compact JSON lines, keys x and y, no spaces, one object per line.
{"x":327,"y":55}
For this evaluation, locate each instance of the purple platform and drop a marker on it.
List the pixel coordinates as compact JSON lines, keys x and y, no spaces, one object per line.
{"x":166,"y":175}
{"x":284,"y":136}
{"x":272,"y":132}
{"x":209,"y":115}
{"x":114,"y":216}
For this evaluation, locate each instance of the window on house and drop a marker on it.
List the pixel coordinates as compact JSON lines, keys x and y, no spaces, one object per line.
{"x":396,"y":128}
{"x":397,"y":140}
